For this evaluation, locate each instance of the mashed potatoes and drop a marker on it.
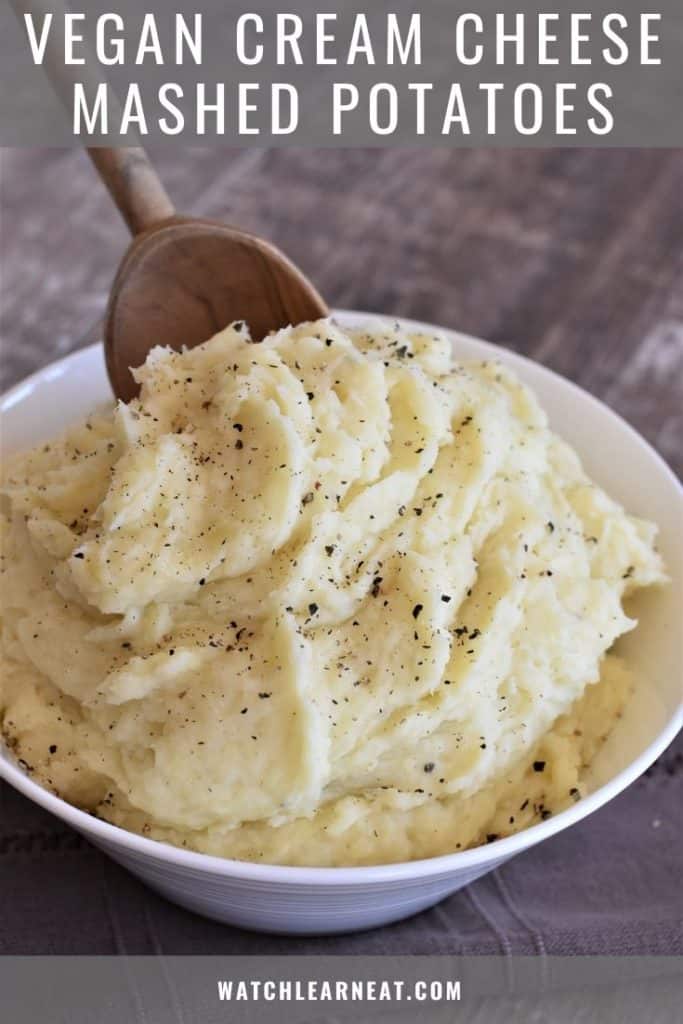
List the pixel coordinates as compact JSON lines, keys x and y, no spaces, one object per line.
{"x":330,"y":599}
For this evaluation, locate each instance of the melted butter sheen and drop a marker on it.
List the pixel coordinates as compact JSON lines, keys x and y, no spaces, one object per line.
{"x":330,"y":599}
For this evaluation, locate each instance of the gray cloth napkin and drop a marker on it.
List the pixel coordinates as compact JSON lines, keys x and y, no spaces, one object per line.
{"x":610,"y":885}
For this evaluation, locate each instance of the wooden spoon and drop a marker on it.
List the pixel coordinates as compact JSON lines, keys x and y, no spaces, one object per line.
{"x":183,"y":279}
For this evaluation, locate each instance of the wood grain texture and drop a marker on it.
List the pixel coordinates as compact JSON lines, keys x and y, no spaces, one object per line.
{"x":185,"y":279}
{"x":574,"y":257}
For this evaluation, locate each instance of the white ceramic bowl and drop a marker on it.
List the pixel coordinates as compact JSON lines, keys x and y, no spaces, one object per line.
{"x":323,"y":900}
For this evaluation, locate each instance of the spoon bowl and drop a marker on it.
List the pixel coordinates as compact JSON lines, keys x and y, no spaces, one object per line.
{"x":183,"y":279}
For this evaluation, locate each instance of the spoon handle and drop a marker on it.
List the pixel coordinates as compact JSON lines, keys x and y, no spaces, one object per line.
{"x":133,"y":185}
{"x":127,"y":172}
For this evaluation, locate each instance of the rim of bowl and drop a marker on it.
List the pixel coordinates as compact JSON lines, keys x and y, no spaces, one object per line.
{"x":460,"y":860}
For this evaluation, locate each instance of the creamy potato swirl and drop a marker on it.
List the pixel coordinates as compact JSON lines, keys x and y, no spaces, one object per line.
{"x":329,"y":599}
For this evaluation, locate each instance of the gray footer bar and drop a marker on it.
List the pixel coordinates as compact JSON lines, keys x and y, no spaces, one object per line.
{"x":481,"y":990}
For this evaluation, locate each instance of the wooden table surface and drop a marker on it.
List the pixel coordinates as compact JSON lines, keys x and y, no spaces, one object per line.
{"x":574,"y":257}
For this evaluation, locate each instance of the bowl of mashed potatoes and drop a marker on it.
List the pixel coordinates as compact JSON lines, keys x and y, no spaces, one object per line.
{"x":317,"y":631}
